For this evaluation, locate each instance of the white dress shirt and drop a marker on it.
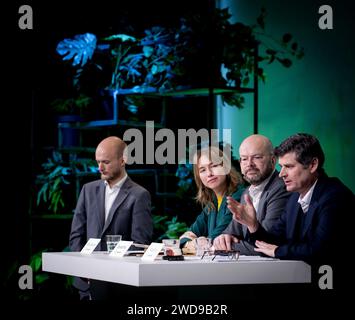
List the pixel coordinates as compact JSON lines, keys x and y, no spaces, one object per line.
{"x":111,"y":194}
{"x":256,"y":191}
{"x":306,"y":200}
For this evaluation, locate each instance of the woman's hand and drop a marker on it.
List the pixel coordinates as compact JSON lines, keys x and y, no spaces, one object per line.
{"x":188,"y":234}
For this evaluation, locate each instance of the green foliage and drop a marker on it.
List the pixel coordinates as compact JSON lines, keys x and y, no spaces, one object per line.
{"x":70,"y":105}
{"x":79,"y":50}
{"x":171,"y":229}
{"x":165,"y":59}
{"x":40,"y":276}
{"x":43,"y":281}
{"x":36,"y":264}
{"x":145,"y":63}
{"x":233,"y":46}
{"x":57,"y":172}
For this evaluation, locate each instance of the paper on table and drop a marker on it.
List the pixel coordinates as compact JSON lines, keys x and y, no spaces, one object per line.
{"x":255,"y":258}
{"x":191,"y":257}
{"x":220,"y":258}
{"x":152,"y":252}
{"x":90,"y":246}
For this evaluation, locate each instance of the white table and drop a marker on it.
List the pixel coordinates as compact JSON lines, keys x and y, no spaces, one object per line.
{"x":132,"y":271}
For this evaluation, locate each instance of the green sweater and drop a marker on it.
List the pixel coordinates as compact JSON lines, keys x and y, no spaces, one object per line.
{"x":211,"y":224}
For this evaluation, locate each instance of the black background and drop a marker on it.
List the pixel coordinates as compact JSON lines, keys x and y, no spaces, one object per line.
{"x":28,"y":65}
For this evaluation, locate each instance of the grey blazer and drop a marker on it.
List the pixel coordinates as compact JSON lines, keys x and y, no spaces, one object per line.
{"x":272,"y":203}
{"x":129,"y":216}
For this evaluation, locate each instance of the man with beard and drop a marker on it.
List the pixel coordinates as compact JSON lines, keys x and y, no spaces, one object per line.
{"x":112,"y":205}
{"x":267,"y":192}
{"x":313,"y":220}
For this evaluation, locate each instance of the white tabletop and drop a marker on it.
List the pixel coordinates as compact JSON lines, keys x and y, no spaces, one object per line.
{"x":133,"y":271}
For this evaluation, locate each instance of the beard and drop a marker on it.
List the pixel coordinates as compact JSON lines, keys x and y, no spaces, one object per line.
{"x":108,"y":177}
{"x":259,"y":176}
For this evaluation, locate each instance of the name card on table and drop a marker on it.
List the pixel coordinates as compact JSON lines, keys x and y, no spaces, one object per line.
{"x":90,"y":246}
{"x":121,"y":248}
{"x":152,"y":251}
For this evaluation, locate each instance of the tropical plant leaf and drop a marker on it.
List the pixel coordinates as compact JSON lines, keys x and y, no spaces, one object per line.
{"x":165,"y":55}
{"x":79,"y":50}
{"x":286,"y":37}
{"x":285,"y":62}
{"x":36,"y":261}
{"x":56,"y":175}
{"x":40,"y":278}
{"x":122,"y":37}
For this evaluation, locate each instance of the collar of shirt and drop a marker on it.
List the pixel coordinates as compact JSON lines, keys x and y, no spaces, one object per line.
{"x":116,"y":186}
{"x":256,"y":191}
{"x":306,"y":200}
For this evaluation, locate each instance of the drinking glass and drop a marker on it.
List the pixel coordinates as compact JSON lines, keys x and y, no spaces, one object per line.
{"x":112,"y":240}
{"x":202,"y":245}
{"x":171,"y":247}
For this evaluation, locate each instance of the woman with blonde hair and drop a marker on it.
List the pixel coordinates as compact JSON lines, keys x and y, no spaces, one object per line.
{"x":215,"y":178}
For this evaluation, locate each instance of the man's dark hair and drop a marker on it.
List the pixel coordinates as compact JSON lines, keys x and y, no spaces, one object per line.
{"x":305,"y":146}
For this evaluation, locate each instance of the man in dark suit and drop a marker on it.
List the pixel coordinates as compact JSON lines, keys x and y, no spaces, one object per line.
{"x":112,"y":205}
{"x":268,"y":192}
{"x":309,"y":228}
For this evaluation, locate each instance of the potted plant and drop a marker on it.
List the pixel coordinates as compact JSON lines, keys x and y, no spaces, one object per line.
{"x":192,"y":54}
{"x":132,"y":66}
{"x":138,"y":65}
{"x":231,"y":50}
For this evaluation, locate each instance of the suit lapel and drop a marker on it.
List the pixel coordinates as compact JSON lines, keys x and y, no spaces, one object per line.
{"x":313,"y":205}
{"x":244,"y":228}
{"x":262,"y":203}
{"x":309,"y":217}
{"x":123,"y":193}
{"x":100,"y":192}
{"x":293,"y":216}
{"x":264,"y":196}
{"x":260,"y":210}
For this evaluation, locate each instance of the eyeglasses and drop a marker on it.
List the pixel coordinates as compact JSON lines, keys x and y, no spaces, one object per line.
{"x":230,"y":254}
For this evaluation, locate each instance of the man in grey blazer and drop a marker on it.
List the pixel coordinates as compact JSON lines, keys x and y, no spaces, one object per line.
{"x":112,"y":205}
{"x":267,"y":191}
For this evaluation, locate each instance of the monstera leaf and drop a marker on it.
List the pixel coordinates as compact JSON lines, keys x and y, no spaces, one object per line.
{"x":80,"y":49}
